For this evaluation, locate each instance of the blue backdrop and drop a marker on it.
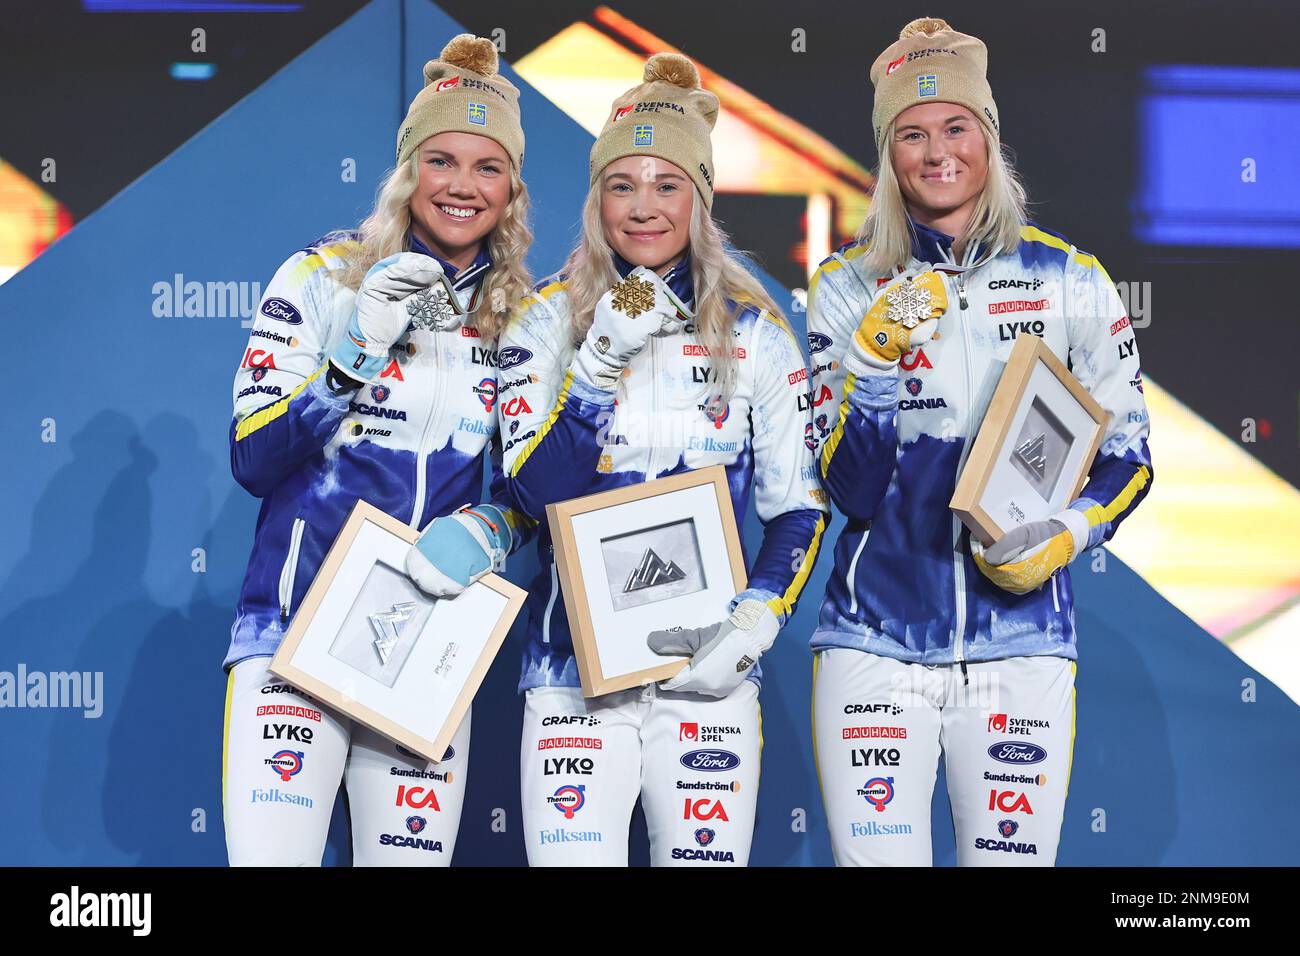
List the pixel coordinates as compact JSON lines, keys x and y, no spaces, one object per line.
{"x":117,"y":471}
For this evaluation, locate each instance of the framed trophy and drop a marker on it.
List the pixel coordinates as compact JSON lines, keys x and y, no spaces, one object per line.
{"x":372,"y":645}
{"x":642,"y":558}
{"x":1033,"y":450}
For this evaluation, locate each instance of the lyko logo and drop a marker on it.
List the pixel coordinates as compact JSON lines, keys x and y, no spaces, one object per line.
{"x":553,"y":766}
{"x":997,"y":723}
{"x":704,"y":809}
{"x":1126,"y":349}
{"x":1008,"y":801}
{"x":417,"y":798}
{"x":688,"y":731}
{"x":914,"y":359}
{"x":1008,"y":331}
{"x":516,"y":406}
{"x":286,"y":732}
{"x":259,"y":358}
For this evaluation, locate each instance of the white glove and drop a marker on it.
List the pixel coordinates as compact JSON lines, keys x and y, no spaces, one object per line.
{"x":380,"y":316}
{"x":626,"y":316}
{"x":722,"y":655}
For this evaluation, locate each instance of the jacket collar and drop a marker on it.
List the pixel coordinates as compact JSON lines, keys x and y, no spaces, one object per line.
{"x":460,"y":278}
{"x":935,"y":247}
{"x":678,"y":278}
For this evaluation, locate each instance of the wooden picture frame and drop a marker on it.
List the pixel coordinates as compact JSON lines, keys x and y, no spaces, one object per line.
{"x":597,"y":538}
{"x":1009,"y":481}
{"x":420,"y":700}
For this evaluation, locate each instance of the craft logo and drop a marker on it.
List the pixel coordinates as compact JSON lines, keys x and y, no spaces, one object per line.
{"x":1007,"y":752}
{"x":569,"y":799}
{"x":416,"y":824}
{"x":512,"y":355}
{"x":892,"y":709}
{"x":704,"y":836}
{"x":643,"y":134}
{"x":587,"y":720}
{"x":704,"y":809}
{"x":927,"y":85}
{"x":486,"y":390}
{"x":913,"y":360}
{"x":1029,"y":285}
{"x":879,"y":792}
{"x":380,"y":393}
{"x":287,"y":763}
{"x":1008,"y":801}
{"x":478,"y":114}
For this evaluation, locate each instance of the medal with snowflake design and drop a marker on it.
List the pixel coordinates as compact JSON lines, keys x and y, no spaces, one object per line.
{"x":430,"y":309}
{"x":633,"y":296}
{"x":908,"y":303}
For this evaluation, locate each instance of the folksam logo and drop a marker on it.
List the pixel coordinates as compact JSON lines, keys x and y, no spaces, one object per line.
{"x":710,"y":761}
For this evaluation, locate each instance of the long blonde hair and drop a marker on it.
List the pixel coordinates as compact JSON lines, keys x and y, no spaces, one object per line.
{"x":383,"y":233}
{"x":721,"y":277}
{"x":996,"y":220}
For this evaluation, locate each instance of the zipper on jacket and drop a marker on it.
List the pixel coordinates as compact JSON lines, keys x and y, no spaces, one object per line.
{"x":653,"y":430}
{"x":421,"y":453}
{"x":959,"y":560}
{"x":550,"y":601}
{"x":1056,"y":601}
{"x":852,"y":573}
{"x":290,"y":569}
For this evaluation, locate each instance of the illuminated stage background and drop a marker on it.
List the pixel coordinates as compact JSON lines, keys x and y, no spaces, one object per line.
{"x":1172,"y":156}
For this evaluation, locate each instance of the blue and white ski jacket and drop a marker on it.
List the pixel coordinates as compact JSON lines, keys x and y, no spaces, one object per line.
{"x":904,"y":584}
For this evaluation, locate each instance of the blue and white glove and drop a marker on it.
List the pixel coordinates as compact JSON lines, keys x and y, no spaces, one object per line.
{"x":380,"y":317}
{"x":456,"y":550}
{"x":625,"y":317}
{"x":722,"y":655}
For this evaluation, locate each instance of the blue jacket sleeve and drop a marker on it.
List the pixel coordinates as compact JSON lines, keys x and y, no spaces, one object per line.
{"x":856,"y":413}
{"x":283,"y":411}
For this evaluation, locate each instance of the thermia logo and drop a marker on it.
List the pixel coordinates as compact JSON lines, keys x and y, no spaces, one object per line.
{"x":103,"y":909}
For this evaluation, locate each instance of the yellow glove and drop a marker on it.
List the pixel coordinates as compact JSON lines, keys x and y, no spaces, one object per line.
{"x":903,"y":316}
{"x":1025,"y":557}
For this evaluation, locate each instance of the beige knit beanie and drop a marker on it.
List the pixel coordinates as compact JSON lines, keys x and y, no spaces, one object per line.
{"x":668,"y":116}
{"x":932,"y":62}
{"x":464,"y":93}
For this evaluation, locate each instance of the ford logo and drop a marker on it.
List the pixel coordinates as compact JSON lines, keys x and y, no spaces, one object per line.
{"x":1007,"y":752}
{"x":512,"y":355}
{"x":817,"y":342}
{"x":711,"y":761}
{"x":282,"y":311}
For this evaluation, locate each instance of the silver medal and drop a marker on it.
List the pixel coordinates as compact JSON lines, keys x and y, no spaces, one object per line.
{"x":431,"y":309}
{"x":908,"y":303}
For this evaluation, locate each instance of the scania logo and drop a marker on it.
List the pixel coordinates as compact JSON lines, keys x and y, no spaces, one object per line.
{"x":281,"y":311}
{"x":1007,"y":752}
{"x":380,"y":393}
{"x":710,"y":761}
{"x":512,"y":355}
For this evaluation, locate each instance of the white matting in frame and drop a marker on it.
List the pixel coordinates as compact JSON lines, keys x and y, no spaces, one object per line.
{"x":643,"y":558}
{"x":374,"y":647}
{"x":1032,"y":453}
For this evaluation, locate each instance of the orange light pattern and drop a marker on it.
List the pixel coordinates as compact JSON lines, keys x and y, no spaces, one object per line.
{"x":30,"y":220}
